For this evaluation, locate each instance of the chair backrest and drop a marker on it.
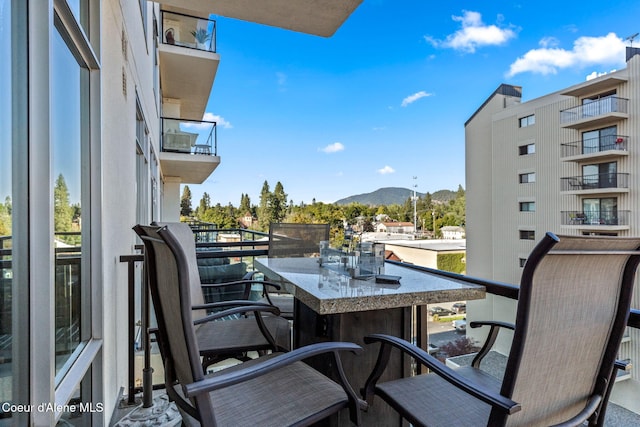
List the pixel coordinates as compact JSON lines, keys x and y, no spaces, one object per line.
{"x":573,"y":305}
{"x":170,"y":273}
{"x":185,"y":238}
{"x":296,"y":240}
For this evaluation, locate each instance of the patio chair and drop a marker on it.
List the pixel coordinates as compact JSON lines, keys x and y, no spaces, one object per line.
{"x":274,"y":390}
{"x":220,"y":337}
{"x":573,"y":305}
{"x":290,"y":240}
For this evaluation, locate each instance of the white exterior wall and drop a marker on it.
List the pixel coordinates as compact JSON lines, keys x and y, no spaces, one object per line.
{"x":119,"y":170}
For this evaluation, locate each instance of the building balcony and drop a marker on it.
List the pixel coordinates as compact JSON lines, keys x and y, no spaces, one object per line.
{"x":189,"y":149}
{"x":602,"y":183}
{"x":188,"y":61}
{"x":610,"y":219}
{"x":600,"y":148}
{"x":305,"y":16}
{"x":601,"y":112}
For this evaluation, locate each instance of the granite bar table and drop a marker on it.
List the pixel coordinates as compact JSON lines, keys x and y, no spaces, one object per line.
{"x":329,"y":305}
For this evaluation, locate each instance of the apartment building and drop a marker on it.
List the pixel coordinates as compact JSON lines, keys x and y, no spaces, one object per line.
{"x":566,"y":162}
{"x":102,"y":120}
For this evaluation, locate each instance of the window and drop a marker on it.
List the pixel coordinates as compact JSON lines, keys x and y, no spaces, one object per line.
{"x":527,"y":206}
{"x":594,"y":141}
{"x":600,"y":211}
{"x":527,"y":121}
{"x":527,"y":177}
{"x":522,"y":261}
{"x":527,"y":235}
{"x":600,"y":175}
{"x":523,"y":150}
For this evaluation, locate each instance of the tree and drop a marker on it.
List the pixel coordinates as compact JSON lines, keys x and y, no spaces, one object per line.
{"x":5,"y":217}
{"x":205,"y":203}
{"x":245,"y":204}
{"x":263,"y":208}
{"x":278,"y":208}
{"x":62,"y":211}
{"x":185,"y":202}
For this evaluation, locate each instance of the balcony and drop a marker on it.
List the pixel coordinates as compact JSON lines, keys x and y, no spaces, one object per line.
{"x":188,"y":61}
{"x":600,"y":148}
{"x":601,"y":112}
{"x":189,"y":149}
{"x":305,"y":16}
{"x":602,"y":183}
{"x":610,"y":219}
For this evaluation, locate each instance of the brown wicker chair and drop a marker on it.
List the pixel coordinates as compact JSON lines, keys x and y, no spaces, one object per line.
{"x":274,"y":390}
{"x":573,"y":306}
{"x":218,"y":338}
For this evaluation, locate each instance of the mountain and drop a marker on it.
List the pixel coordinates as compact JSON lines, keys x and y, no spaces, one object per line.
{"x":393,"y":195}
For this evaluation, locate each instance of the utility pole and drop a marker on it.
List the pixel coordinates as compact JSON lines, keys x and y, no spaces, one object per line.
{"x":415,"y":208}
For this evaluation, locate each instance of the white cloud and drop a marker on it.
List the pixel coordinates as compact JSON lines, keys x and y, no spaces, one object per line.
{"x":473,"y":34}
{"x":587,"y":51}
{"x":333,"y":148}
{"x":218,"y":119}
{"x":413,"y":98}
{"x":385,"y":170}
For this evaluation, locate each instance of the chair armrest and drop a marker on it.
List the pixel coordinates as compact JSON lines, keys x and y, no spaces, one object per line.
{"x":239,"y":310}
{"x":491,"y":338}
{"x":488,"y":396}
{"x":578,"y":420}
{"x":243,"y":282}
{"x":269,"y":365}
{"x":230,"y":303}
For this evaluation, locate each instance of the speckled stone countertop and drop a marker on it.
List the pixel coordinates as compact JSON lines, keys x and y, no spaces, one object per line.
{"x":329,"y":291}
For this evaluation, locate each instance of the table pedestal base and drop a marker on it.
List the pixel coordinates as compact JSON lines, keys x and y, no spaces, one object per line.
{"x":310,"y":327}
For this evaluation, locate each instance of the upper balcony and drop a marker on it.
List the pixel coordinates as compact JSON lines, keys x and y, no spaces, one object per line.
{"x":189,"y":149}
{"x":599,"y":112}
{"x":188,"y":61}
{"x":305,"y":16}
{"x":602,"y":183}
{"x":601,"y":148}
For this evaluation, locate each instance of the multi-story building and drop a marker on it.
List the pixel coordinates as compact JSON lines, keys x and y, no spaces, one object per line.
{"x":102,"y":106}
{"x":566,"y":162}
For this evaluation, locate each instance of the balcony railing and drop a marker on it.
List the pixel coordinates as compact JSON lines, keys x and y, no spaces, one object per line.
{"x":188,"y":31}
{"x":606,"y":105}
{"x":189,"y":136}
{"x":595,"y":145}
{"x":595,"y":181}
{"x":602,"y":217}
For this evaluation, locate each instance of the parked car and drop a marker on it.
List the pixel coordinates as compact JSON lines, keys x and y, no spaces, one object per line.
{"x":440,"y":311}
{"x":459,"y":325}
{"x":459,"y":307}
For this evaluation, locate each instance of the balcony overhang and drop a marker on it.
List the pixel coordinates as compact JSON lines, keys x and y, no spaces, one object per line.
{"x":190,"y":168}
{"x":187,"y":75}
{"x":321,"y":18}
{"x":596,"y":121}
{"x":595,"y":191}
{"x":600,"y":155}
{"x":595,"y":86}
{"x":596,"y":227}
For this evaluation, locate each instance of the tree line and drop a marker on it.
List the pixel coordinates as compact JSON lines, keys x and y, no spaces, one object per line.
{"x":274,"y":207}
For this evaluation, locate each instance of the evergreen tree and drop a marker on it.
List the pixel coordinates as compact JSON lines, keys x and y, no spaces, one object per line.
{"x":185,"y":202}
{"x":245,"y":204}
{"x":205,"y":204}
{"x":263,"y":208}
{"x":62,"y":211}
{"x":278,"y":205}
{"x":5,"y":217}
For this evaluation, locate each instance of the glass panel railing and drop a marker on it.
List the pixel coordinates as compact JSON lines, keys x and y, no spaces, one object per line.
{"x":595,"y":145}
{"x":188,"y":31}
{"x":606,"y":105}
{"x":189,"y":136}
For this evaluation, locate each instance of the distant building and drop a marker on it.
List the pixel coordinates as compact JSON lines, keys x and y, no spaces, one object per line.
{"x":566,"y":162}
{"x":395,"y":227}
{"x":451,"y":232}
{"x":247,"y":220}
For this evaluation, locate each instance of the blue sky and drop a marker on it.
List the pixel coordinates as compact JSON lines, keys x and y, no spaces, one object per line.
{"x":385,"y":99}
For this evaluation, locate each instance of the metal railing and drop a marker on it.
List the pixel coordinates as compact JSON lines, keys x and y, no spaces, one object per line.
{"x":595,"y":145}
{"x":189,"y":136}
{"x":595,"y":181}
{"x":599,"y":107}
{"x":188,"y":31}
{"x":601,"y":217}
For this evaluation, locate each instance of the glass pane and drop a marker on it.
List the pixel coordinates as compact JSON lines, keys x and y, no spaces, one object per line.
{"x":6,"y":274}
{"x":590,"y":142}
{"x":66,"y":142}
